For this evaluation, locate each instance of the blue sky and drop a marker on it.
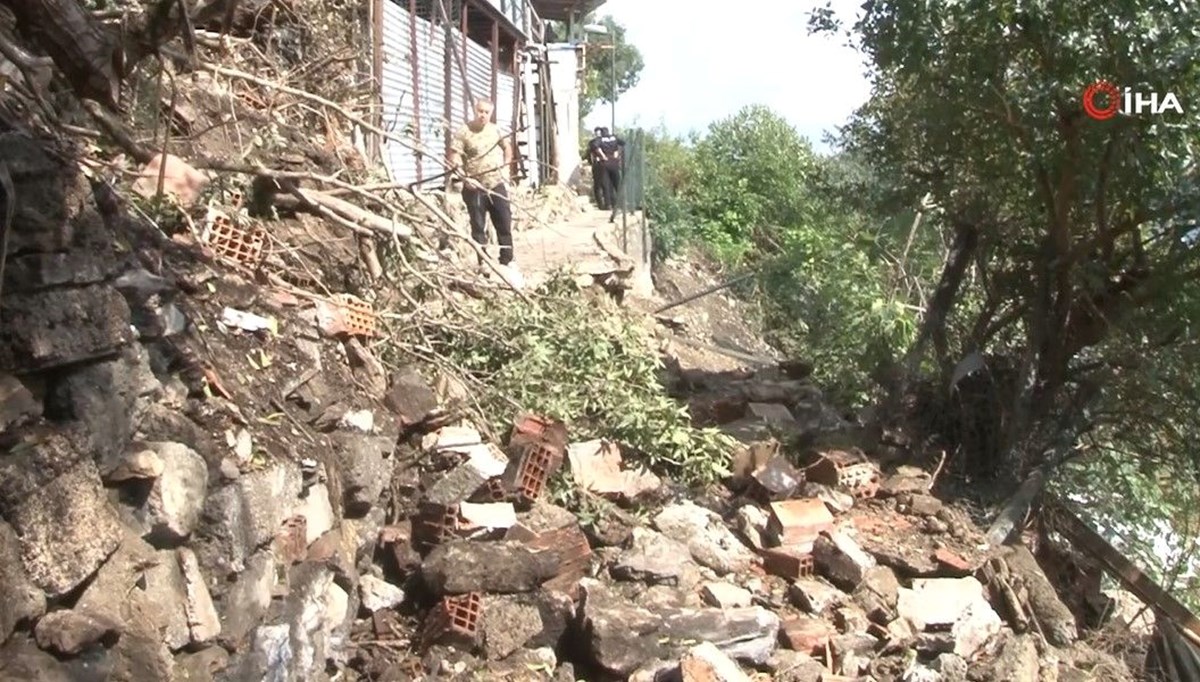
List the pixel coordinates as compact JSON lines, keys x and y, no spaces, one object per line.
{"x":725,"y":55}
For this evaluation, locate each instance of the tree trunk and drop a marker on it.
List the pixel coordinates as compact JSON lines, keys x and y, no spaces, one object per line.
{"x":82,"y":49}
{"x":934,"y":325}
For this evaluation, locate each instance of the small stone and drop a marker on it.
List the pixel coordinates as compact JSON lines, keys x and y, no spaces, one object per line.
{"x":653,"y":559}
{"x":726,"y":596}
{"x":70,"y":632}
{"x":139,"y":465}
{"x":815,"y":595}
{"x":497,"y":567}
{"x":706,"y":663}
{"x":806,"y":635}
{"x":841,"y":560}
{"x":378,"y":594}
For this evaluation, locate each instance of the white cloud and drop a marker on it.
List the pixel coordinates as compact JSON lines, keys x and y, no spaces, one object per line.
{"x":714,"y":57}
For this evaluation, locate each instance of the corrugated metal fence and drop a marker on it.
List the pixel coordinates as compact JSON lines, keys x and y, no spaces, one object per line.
{"x":634,"y":185}
{"x":431,"y":71}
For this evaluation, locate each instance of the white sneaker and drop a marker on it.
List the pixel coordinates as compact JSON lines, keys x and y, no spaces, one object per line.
{"x":512,"y":275}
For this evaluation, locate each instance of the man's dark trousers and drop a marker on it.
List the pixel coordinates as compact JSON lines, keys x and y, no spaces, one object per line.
{"x":598,"y":181}
{"x":480,"y":204}
{"x":612,"y":185}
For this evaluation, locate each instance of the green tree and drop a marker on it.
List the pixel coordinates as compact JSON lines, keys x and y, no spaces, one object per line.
{"x":1067,"y":256}
{"x":752,"y":177}
{"x":598,"y":72}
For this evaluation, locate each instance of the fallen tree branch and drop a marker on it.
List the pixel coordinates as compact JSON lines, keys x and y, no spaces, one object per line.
{"x":1014,"y":513}
{"x":317,"y":99}
{"x":359,"y":217}
{"x":116,"y":130}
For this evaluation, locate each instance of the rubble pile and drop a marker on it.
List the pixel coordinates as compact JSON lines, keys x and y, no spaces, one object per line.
{"x":208,"y":476}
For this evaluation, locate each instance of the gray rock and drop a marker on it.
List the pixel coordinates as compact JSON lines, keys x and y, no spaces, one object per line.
{"x":177,"y":497}
{"x":246,"y":602}
{"x":839,"y":502}
{"x":136,"y":465}
{"x":365,"y":469}
{"x":621,"y":635}
{"x":952,"y":667}
{"x":308,"y":631}
{"x":21,"y":599}
{"x":143,"y":590}
{"x":794,"y":666}
{"x":70,"y":632}
{"x":654,"y":559}
{"x":706,"y":663}
{"x":245,"y":515}
{"x":878,"y":594}
{"x":201,"y":666}
{"x":838,"y":557}
{"x":495,"y":567}
{"x":203,"y":622}
{"x":47,"y":329}
{"x":67,"y":530}
{"x":815,"y":596}
{"x":21,"y":659}
{"x":410,"y":396}
{"x":378,"y":593}
{"x":709,"y":540}
{"x":108,"y":398}
{"x":1018,"y":660}
{"x":17,"y":404}
{"x":508,"y":624}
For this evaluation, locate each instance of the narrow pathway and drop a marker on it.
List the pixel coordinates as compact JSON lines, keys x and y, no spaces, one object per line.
{"x":569,"y":245}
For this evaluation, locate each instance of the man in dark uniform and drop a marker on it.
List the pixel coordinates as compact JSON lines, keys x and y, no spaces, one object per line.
{"x":612,"y":158}
{"x":593,"y":158}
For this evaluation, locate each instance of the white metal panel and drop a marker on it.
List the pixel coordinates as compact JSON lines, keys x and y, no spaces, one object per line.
{"x":564,"y":83}
{"x":396,"y":91}
{"x":506,"y":98}
{"x":431,"y":79}
{"x":479,"y":70}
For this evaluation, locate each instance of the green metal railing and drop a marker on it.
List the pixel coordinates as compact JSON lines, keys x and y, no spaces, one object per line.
{"x":632,"y":197}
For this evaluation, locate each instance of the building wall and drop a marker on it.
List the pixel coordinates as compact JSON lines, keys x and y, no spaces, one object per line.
{"x":430,"y":71}
{"x":564,"y":80}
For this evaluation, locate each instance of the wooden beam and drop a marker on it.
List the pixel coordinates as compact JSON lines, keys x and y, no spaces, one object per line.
{"x":495,"y":65}
{"x":468,"y":105}
{"x":415,"y":58}
{"x":448,"y":71}
{"x":1137,"y":582}
{"x":376,"y":146}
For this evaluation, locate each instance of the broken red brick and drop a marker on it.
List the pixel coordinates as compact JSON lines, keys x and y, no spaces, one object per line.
{"x":532,"y":429}
{"x":291,"y":544}
{"x":798,"y":522}
{"x":434,"y":524}
{"x":806,"y":635}
{"x":493,"y":490}
{"x":851,"y":471}
{"x":952,"y":562}
{"x":456,"y":621}
{"x":231,"y":243}
{"x":346,"y":315}
{"x":787,"y":563}
{"x":534,"y":472}
{"x":570,"y":547}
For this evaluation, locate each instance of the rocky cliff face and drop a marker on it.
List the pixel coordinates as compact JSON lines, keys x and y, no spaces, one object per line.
{"x":151,"y":524}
